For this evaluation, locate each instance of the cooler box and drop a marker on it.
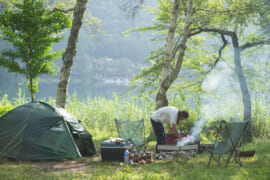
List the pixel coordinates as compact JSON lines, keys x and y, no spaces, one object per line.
{"x":112,"y":151}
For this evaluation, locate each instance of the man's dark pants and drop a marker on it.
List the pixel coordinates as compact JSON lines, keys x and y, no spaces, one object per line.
{"x":160,"y":133}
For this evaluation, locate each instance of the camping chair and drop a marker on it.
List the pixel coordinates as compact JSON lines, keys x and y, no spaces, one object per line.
{"x":132,"y":131}
{"x":230,"y":134}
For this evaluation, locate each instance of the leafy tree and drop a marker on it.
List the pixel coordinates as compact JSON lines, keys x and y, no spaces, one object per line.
{"x":264,"y":19}
{"x":32,"y":30}
{"x":217,"y":19}
{"x":166,"y":61}
{"x":237,"y":18}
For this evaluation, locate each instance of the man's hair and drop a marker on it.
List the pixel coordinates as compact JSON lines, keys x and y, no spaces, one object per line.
{"x":183,"y":114}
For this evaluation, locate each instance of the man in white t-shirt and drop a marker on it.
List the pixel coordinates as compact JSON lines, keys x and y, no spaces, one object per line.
{"x":167,"y":115}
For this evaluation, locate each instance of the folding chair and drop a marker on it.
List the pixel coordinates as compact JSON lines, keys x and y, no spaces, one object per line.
{"x":230,"y":134}
{"x":131,"y":130}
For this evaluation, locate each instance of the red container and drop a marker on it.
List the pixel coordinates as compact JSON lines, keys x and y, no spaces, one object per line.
{"x":170,"y":138}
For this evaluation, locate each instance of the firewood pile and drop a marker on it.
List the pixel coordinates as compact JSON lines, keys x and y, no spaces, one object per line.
{"x":140,"y":158}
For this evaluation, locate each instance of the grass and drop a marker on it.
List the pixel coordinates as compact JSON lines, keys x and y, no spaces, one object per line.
{"x":256,"y":167}
{"x":97,"y":115}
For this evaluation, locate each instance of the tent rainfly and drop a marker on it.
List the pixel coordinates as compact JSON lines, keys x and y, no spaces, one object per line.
{"x":39,"y":131}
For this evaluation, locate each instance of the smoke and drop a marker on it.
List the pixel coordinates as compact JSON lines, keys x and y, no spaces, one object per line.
{"x":195,"y":133}
{"x":220,"y":95}
{"x":223,"y":99}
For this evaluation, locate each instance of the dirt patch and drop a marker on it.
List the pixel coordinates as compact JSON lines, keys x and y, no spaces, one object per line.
{"x":70,"y":166}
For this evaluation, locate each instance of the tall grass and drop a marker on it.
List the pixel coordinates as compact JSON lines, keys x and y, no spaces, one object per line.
{"x":261,"y":120}
{"x":98,"y":114}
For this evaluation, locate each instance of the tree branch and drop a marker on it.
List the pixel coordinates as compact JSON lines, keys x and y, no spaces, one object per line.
{"x":225,"y":42}
{"x":200,"y":30}
{"x":222,"y":32}
{"x":183,"y":41}
{"x":253,"y":44}
{"x":131,"y":7}
{"x":60,"y":10}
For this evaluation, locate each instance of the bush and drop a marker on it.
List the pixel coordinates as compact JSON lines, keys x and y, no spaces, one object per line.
{"x":4,"y":109}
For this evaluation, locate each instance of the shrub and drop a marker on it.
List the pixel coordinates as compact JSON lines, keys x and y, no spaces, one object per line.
{"x":4,"y":109}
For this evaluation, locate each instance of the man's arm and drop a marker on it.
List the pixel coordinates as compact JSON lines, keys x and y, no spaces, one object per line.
{"x":170,"y":126}
{"x":175,"y":130}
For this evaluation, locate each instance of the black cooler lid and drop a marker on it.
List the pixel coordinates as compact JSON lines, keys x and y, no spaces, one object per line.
{"x":110,"y":144}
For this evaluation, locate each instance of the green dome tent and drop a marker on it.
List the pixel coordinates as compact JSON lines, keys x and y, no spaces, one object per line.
{"x":39,"y":131}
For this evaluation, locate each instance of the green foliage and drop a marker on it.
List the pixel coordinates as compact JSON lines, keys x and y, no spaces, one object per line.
{"x":146,"y":81}
{"x":5,"y":109}
{"x":264,"y":20}
{"x":195,"y":63}
{"x":31,"y":29}
{"x":98,"y":113}
{"x":260,"y":121}
{"x":257,"y":70}
{"x":5,"y":106}
{"x":33,"y":86}
{"x":202,"y":49}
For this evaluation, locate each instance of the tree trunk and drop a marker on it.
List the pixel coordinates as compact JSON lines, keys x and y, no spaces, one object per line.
{"x":31,"y":89}
{"x":30,"y":75}
{"x":167,"y":77}
{"x":70,"y":52}
{"x":243,"y":85}
{"x":170,"y":41}
{"x":161,"y":99}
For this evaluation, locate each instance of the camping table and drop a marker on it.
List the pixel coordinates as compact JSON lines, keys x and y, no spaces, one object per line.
{"x":187,"y":150}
